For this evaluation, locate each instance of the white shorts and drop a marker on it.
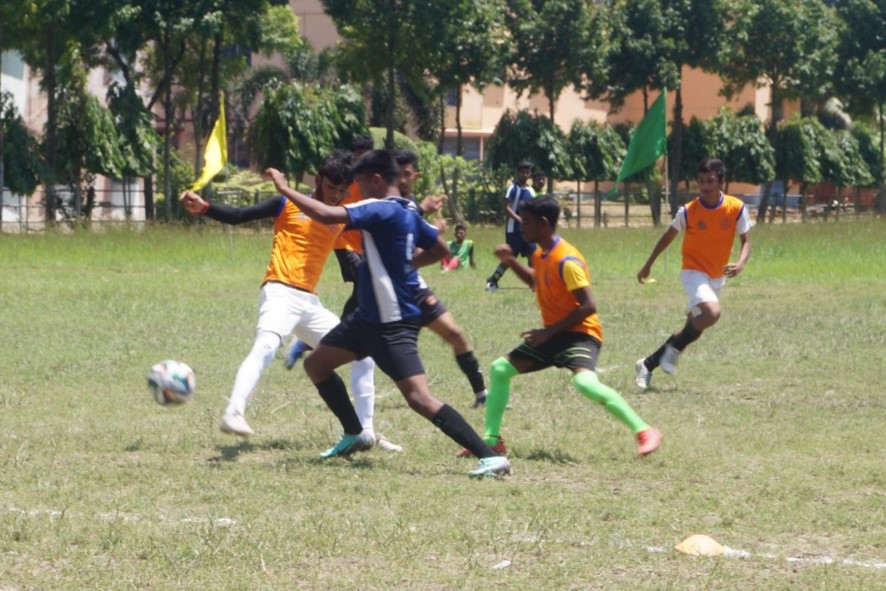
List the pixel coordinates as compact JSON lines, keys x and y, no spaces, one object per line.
{"x":700,"y":288}
{"x":284,"y":310}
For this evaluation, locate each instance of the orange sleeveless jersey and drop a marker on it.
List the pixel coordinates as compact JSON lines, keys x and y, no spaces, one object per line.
{"x":351,"y":239}
{"x":557,"y":273}
{"x":709,"y":235}
{"x":301,"y":246}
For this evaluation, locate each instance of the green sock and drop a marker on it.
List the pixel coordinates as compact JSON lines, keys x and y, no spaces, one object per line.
{"x":500,"y":375}
{"x":588,"y":384}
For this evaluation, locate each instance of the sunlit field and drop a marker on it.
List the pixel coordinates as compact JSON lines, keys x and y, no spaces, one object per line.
{"x":773,"y":429}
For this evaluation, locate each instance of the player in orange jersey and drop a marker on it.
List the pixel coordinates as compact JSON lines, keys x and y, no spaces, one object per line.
{"x":571,"y":336}
{"x":709,"y":224}
{"x":287,"y":301}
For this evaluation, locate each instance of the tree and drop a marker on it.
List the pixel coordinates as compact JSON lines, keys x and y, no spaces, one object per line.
{"x":804,"y":150}
{"x":788,"y":46}
{"x":597,"y":152}
{"x":19,"y":154}
{"x":861,"y":53}
{"x":550,"y":43}
{"x":384,"y":39}
{"x":298,"y":125}
{"x":471,"y":49}
{"x":739,"y":141}
{"x":524,"y":136}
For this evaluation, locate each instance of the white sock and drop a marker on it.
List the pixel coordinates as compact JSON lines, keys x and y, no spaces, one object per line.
{"x":363,"y":387}
{"x":266,"y":344}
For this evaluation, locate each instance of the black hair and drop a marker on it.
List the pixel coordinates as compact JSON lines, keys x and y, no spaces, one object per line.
{"x":542,"y":207}
{"x":336,"y":167}
{"x":524,"y":164}
{"x":538,"y":174}
{"x":712,"y":165}
{"x":362,"y":143}
{"x":460,"y":227}
{"x":404,"y":157}
{"x":378,"y":162}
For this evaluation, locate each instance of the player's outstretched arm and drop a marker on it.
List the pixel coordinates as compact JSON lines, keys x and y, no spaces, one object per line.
{"x":229,"y":214}
{"x":429,"y":256}
{"x":659,"y":248}
{"x":314,"y":209}
{"x":507,"y":258}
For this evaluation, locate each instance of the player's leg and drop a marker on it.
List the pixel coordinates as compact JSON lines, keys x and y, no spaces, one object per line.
{"x":340,"y":345}
{"x":436,"y":317}
{"x":703,"y":312}
{"x":279,"y":310}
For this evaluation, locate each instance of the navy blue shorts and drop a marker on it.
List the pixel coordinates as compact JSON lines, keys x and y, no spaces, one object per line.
{"x":518,"y":245}
{"x":572,"y":350}
{"x":431,"y":307}
{"x":393,"y":346}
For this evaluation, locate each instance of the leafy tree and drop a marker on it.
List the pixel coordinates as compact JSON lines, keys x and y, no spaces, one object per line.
{"x":787,"y":45}
{"x":298,"y":125}
{"x":550,"y":45}
{"x":524,"y":136}
{"x":739,"y":142}
{"x":861,"y":77}
{"x":805,"y":149}
{"x":19,"y":154}
{"x":597,"y":152}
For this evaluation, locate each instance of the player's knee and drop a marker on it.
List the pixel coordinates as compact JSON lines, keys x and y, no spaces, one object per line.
{"x":502,"y":370}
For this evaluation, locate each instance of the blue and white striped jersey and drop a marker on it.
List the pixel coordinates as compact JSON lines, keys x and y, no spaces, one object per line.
{"x":386,"y":281}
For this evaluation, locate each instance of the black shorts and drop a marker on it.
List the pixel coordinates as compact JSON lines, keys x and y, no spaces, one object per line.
{"x":431,"y":307}
{"x":572,"y":350}
{"x":393,"y":346}
{"x":518,"y":244}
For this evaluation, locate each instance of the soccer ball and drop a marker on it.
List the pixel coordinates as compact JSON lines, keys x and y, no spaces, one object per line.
{"x":171,"y":382}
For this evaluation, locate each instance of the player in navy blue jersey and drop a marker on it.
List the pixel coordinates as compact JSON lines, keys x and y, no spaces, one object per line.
{"x":385,"y":325}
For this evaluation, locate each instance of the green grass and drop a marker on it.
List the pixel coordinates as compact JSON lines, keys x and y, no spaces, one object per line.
{"x":773,"y":429}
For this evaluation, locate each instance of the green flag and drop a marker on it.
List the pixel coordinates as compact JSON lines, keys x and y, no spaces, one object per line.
{"x":648,"y":143}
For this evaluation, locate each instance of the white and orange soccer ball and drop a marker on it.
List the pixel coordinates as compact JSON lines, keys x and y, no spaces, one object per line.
{"x":172,"y":382}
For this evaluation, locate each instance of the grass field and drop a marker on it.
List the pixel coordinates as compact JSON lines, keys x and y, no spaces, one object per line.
{"x":774,"y":429}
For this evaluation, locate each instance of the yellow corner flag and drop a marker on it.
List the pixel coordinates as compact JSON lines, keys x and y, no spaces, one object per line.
{"x":216,"y":154}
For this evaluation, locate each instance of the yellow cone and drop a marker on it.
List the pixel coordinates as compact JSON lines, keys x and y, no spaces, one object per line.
{"x":700,"y":545}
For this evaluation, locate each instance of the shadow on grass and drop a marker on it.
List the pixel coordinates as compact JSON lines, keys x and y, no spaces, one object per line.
{"x":229,"y":453}
{"x":555,"y":456}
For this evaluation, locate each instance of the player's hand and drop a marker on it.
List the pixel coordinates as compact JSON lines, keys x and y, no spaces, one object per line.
{"x":274,"y":175}
{"x":643,"y":274}
{"x":535,"y":337}
{"x":440,"y":224}
{"x":503,"y":252}
{"x":193,"y":203}
{"x":732,"y":269}
{"x":432,"y":204}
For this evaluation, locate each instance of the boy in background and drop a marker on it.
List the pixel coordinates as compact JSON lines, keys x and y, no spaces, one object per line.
{"x":461,"y":251}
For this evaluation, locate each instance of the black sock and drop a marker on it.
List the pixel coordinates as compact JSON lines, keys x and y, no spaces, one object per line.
{"x":653,"y":360}
{"x":335,"y":394}
{"x":496,"y":275}
{"x":688,"y":335}
{"x":457,"y":428}
{"x":471,"y":368}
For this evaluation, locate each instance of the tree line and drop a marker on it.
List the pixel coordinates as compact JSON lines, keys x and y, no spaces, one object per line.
{"x":399,"y":61}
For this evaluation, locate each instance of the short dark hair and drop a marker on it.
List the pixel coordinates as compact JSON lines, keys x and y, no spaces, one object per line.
{"x":712,"y":165}
{"x":460,"y":227}
{"x":378,"y":162}
{"x":337,"y":167}
{"x":362,"y":143}
{"x":542,"y":207}
{"x":404,"y":157}
{"x":539,"y":174}
{"x":524,"y":164}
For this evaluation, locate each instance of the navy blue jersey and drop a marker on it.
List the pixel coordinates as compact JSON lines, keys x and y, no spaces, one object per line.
{"x":516,"y":196}
{"x":386,"y":281}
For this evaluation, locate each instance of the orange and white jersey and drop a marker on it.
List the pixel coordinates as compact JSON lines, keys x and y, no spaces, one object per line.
{"x":351,"y":239}
{"x":558,"y":272}
{"x":300,"y":249}
{"x":709,"y":233}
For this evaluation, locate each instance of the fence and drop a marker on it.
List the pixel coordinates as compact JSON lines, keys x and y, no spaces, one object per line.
{"x":125,"y":204}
